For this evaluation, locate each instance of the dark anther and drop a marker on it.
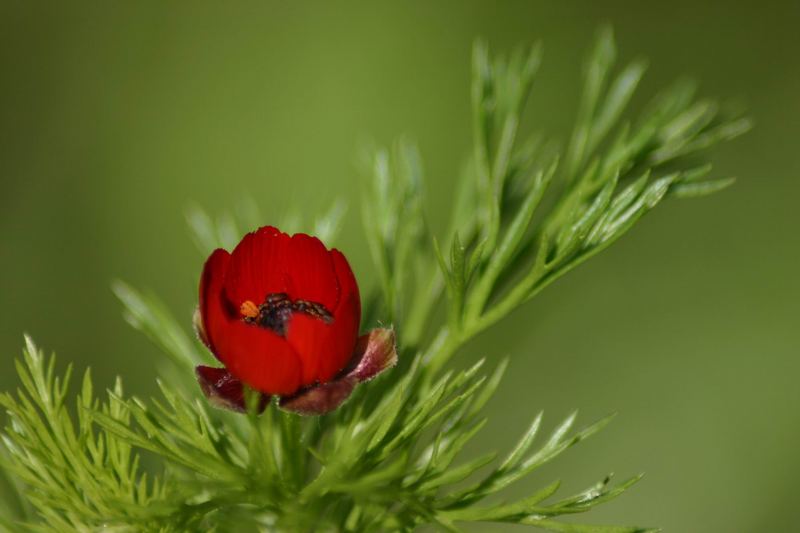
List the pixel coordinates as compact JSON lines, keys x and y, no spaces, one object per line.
{"x":313,"y":309}
{"x":277,"y":309}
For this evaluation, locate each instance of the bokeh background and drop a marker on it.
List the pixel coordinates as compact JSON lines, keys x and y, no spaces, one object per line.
{"x":114,"y":116}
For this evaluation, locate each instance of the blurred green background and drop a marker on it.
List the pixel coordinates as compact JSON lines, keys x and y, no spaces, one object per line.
{"x":115,"y":115}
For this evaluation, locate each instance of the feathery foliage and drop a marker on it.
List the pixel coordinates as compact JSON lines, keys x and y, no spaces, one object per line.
{"x":390,"y":458}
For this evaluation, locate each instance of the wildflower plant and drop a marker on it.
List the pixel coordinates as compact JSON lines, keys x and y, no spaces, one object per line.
{"x":389,"y":458}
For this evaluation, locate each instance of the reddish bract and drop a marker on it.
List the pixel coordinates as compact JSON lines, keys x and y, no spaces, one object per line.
{"x":281,"y":313}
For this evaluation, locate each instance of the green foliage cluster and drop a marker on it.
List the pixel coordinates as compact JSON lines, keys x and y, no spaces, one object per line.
{"x":390,"y":458}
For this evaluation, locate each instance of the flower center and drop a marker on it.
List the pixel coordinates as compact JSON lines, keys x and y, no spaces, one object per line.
{"x":277,"y":309}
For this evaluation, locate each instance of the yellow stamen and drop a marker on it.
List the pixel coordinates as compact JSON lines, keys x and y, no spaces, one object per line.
{"x":249,"y":309}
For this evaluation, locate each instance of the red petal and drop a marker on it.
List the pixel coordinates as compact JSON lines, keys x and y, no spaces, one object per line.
{"x":341,"y":342}
{"x":260,"y":358}
{"x":347,"y":282}
{"x":258,"y":267}
{"x":311,"y":271}
{"x":309,"y":338}
{"x":347,"y":320}
{"x":214,"y":315}
{"x":325,"y":349}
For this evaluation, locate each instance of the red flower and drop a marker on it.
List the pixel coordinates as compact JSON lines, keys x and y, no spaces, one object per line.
{"x":282,"y":314}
